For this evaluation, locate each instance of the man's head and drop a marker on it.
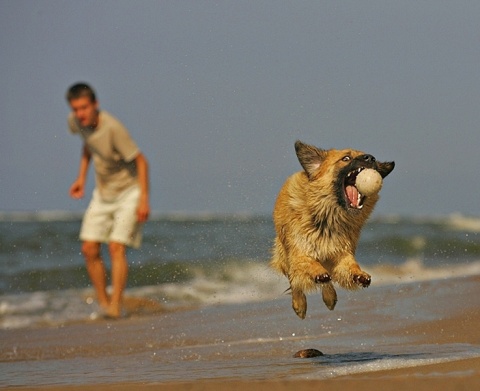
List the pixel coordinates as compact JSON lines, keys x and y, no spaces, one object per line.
{"x":83,"y":102}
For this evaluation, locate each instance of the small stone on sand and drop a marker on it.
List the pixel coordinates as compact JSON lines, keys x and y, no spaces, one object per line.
{"x":308,"y":353}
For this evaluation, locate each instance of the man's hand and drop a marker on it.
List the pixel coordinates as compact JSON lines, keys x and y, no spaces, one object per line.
{"x":143,"y":210}
{"x":77,"y":190}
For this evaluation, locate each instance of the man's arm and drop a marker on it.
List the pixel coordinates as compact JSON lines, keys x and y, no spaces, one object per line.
{"x":143,"y":180}
{"x":77,"y":190}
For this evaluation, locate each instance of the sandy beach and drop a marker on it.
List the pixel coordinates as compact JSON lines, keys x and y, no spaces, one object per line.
{"x":420,"y":336}
{"x":457,"y":375}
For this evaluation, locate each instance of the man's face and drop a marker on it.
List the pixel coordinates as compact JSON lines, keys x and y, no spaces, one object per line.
{"x":85,"y":111}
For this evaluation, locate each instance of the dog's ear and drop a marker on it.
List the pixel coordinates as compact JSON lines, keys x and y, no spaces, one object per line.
{"x":310,"y":157}
{"x":385,"y":168}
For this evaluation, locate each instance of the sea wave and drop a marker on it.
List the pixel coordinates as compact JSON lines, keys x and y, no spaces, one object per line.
{"x":41,"y":215}
{"x":236,"y":282}
{"x":455,"y":221}
{"x":178,"y":216}
{"x":452,"y":220}
{"x":206,"y":260}
{"x":414,"y":270}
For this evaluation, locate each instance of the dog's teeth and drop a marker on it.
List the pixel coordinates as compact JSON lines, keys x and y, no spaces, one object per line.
{"x":359,"y":199}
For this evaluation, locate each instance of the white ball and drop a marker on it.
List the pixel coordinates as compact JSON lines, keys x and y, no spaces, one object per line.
{"x":368,"y":182}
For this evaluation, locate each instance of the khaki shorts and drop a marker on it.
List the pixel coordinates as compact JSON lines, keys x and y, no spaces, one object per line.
{"x":116,"y":221}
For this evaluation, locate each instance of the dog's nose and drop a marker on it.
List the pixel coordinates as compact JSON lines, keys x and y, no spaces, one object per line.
{"x":369,"y":158}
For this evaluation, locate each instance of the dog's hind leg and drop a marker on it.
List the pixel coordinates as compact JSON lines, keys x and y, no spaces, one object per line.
{"x":329,"y":295}
{"x":305,"y":274}
{"x":299,"y":303}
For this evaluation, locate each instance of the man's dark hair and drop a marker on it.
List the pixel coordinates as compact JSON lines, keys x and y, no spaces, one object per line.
{"x":80,"y":90}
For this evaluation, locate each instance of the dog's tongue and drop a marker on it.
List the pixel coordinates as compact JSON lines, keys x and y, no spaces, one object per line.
{"x":352,"y":195}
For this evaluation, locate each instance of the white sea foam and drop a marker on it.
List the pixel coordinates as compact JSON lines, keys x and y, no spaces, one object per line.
{"x":234,"y":283}
{"x":43,"y":215}
{"x":424,"y":355}
{"x":463,"y":223}
{"x":413,"y":270}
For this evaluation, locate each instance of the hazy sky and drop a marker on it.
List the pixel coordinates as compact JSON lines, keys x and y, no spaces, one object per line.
{"x":216,"y":92}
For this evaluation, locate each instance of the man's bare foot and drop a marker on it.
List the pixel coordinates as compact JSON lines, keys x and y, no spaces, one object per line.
{"x":103,"y":301}
{"x":104,"y":305}
{"x":113,"y":311}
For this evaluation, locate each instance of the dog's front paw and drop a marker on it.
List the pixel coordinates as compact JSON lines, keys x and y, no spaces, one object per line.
{"x":322,"y":278}
{"x":363,"y":280}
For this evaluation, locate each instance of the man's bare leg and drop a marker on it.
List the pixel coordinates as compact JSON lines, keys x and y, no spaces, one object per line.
{"x":96,"y":271}
{"x":119,"y":277}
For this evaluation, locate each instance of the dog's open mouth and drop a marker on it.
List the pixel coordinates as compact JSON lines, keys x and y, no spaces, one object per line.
{"x":353,"y":197}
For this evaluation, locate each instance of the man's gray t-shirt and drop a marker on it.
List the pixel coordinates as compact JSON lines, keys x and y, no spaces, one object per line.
{"x":113,"y":152}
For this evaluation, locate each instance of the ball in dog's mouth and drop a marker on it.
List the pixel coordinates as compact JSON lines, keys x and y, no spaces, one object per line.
{"x":368,"y":182}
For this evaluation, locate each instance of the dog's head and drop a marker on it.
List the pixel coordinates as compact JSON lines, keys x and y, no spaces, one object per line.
{"x":338,"y":169}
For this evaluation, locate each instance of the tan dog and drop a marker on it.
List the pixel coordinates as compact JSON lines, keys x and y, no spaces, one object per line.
{"x":318,"y":217}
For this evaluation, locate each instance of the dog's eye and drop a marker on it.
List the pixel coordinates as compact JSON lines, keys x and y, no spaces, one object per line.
{"x":346,"y":158}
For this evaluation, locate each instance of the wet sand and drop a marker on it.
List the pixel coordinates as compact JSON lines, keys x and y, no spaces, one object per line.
{"x":458,"y":375}
{"x":441,"y":318}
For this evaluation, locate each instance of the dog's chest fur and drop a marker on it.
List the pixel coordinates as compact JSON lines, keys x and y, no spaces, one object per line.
{"x":305,"y":214}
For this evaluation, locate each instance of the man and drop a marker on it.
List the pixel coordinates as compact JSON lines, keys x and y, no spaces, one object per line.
{"x":120,"y":200}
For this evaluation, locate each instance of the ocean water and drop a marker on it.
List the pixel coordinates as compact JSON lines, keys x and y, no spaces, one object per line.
{"x":220,"y":312}
{"x":201,"y":261}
